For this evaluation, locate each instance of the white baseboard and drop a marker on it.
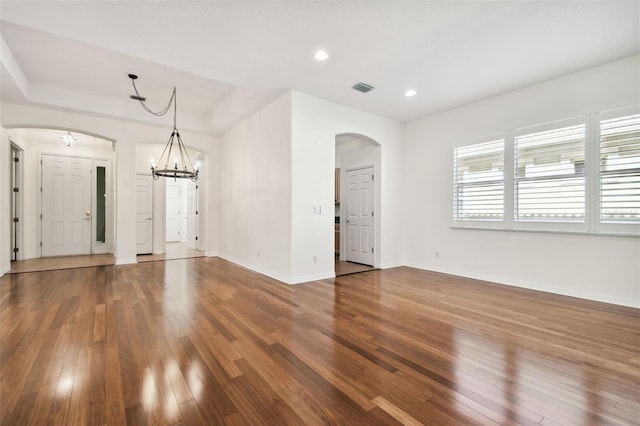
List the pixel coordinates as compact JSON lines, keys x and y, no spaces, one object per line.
{"x":388,"y":265}
{"x":126,"y":261}
{"x":308,"y":278}
{"x":211,"y":254}
{"x":255,"y":268}
{"x":277,"y":276}
{"x":532,"y":286}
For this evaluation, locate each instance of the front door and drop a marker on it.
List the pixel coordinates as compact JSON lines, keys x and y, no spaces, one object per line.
{"x":360,"y":223}
{"x":144,"y":214}
{"x":66,"y":205}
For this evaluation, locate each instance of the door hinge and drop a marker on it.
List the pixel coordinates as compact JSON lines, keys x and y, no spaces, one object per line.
{"x":196,"y":238}
{"x":16,"y":189}
{"x":40,"y":216}
{"x":196,"y":211}
{"x":372,"y":177}
{"x":40,"y":243}
{"x":15,"y":220}
{"x":40,"y":189}
{"x":372,"y":213}
{"x":371,"y":249}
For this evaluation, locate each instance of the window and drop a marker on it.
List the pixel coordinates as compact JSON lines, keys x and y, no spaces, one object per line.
{"x":579,"y":175}
{"x":550,"y":175}
{"x":620,"y":170}
{"x":479,"y":181}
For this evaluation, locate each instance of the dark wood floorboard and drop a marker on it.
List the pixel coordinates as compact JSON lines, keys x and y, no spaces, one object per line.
{"x":204,"y":342}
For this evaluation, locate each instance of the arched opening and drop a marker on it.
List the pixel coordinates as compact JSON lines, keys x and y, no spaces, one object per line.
{"x":63,"y":195}
{"x":357,"y":198}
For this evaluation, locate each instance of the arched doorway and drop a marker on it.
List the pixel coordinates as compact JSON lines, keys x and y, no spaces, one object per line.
{"x":356,"y":228}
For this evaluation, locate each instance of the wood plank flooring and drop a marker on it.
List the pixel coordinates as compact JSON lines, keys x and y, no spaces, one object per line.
{"x":202,"y":341}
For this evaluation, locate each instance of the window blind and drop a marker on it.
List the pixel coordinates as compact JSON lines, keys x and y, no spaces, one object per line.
{"x":620,"y":170}
{"x":549,"y":176}
{"x":479,"y":181}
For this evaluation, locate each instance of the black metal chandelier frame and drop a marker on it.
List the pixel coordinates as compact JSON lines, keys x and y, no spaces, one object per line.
{"x":186,"y":171}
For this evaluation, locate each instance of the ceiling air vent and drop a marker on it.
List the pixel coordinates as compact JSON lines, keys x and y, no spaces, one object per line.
{"x":363,"y":87}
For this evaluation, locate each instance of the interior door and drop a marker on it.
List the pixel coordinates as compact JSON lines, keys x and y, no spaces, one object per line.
{"x":144,"y":214}
{"x":66,"y":206}
{"x":174,"y":210}
{"x":359,"y":222}
{"x":192,"y":214}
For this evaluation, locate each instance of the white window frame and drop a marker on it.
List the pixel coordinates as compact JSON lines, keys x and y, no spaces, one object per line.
{"x":478,"y":224}
{"x":550,"y":225}
{"x":624,"y":229}
{"x":592,"y":224}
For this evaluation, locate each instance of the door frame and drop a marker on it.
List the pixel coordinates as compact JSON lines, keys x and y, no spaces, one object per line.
{"x":109,"y":217}
{"x":153,"y":212}
{"x":17,"y":202}
{"x":344,"y":201}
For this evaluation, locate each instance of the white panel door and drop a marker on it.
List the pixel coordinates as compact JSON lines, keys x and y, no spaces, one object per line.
{"x":66,"y":206}
{"x":144,"y":214}
{"x":192,"y":214}
{"x":174,"y":210}
{"x":360,"y":223}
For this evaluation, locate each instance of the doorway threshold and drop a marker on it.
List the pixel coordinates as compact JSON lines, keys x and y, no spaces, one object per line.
{"x":173,"y":251}
{"x":348,"y":268}
{"x":61,"y":262}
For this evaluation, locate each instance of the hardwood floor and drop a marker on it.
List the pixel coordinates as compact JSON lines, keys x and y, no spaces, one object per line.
{"x":202,"y":341}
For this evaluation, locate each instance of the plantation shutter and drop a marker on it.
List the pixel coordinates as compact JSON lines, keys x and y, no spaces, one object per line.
{"x":550,"y":175}
{"x":479,"y":181}
{"x":620,"y":170}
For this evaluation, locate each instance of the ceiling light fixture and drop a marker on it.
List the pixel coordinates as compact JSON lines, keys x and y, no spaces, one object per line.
{"x":182,"y":166}
{"x":410,"y":93}
{"x":68,"y":138}
{"x":321,"y":55}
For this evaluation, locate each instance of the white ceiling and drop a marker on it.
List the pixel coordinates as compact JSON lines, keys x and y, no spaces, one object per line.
{"x":228,"y":59}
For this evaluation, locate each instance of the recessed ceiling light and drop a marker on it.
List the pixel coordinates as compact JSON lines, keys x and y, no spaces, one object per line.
{"x":409,"y":93}
{"x":321,"y":55}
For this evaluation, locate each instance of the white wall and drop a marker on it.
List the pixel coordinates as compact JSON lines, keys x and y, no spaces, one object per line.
{"x":316,"y":123}
{"x":127,"y":135}
{"x":255,"y":191}
{"x":596,"y":267}
{"x":5,"y":206}
{"x":277,"y":165}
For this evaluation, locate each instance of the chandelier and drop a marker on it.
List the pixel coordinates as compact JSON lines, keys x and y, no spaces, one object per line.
{"x":182,"y":167}
{"x":68,"y":138}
